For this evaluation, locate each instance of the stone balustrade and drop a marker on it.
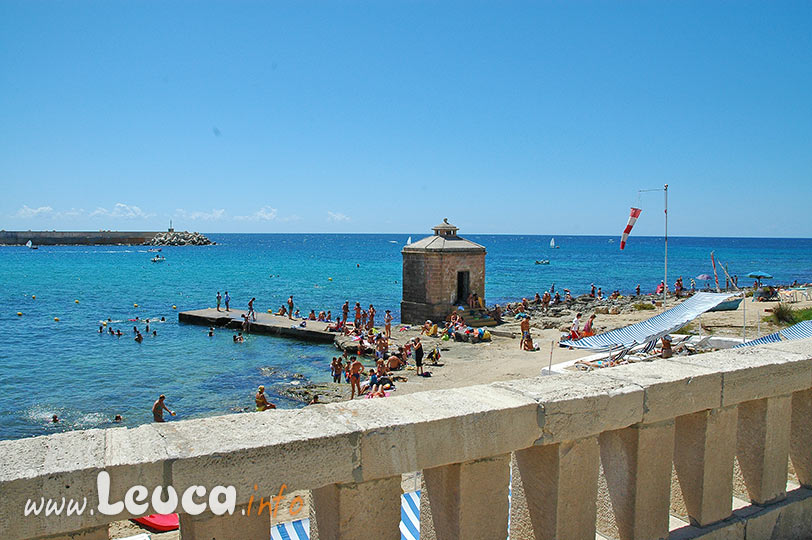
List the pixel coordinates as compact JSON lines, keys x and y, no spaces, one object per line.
{"x":616,"y":452}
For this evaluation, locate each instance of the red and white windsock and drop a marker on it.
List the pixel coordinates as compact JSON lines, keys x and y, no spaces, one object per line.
{"x":635,"y":213}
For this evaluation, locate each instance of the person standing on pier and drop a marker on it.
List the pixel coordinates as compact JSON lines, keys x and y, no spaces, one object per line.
{"x":290,"y":307}
{"x":227,"y":299}
{"x":251,"y":312}
{"x":371,"y":320}
{"x":345,"y":311}
{"x":218,"y":300}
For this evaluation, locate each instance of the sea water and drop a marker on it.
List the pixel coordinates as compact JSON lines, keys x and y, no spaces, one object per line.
{"x":86,"y":378}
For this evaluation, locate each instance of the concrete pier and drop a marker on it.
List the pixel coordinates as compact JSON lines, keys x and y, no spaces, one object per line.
{"x":266,"y":323}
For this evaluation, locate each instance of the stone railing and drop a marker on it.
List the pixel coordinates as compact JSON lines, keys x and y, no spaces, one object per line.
{"x":619,"y":452}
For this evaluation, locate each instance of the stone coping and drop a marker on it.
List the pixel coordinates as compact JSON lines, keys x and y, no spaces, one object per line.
{"x":364,"y":440}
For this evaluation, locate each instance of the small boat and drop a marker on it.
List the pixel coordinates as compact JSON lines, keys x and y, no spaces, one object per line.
{"x":158,"y":258}
{"x":409,"y":241}
{"x":730,"y":305}
{"x":552,"y":244}
{"x":30,"y":245}
{"x":611,"y":240}
{"x":543,"y":261}
{"x":154,"y":250}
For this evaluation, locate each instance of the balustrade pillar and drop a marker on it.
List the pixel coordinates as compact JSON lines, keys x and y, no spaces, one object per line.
{"x":469,"y":500}
{"x":763,"y":446}
{"x":800,"y":442}
{"x":251,"y":525}
{"x":705,"y":447}
{"x":359,"y":511}
{"x":637,"y":467}
{"x":561,"y":487}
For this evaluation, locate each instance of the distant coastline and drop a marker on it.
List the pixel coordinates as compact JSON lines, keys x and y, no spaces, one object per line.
{"x":76,"y":238}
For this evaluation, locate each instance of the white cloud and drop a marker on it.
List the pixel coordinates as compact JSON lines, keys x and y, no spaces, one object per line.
{"x":214,"y":215}
{"x":121,"y":210}
{"x":26,"y":212}
{"x":337,"y":216}
{"x":266,"y":213}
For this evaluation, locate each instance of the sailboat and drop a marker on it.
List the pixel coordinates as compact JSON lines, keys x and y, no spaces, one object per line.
{"x":409,"y":241}
{"x":552,"y":244}
{"x":30,"y":245}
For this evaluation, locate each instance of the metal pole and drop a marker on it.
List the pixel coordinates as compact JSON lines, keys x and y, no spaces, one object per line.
{"x":665,"y":289}
{"x":550,"y":367}
{"x":744,"y":314}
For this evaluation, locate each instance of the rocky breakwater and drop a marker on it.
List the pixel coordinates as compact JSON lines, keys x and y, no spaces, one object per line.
{"x":183,"y":238}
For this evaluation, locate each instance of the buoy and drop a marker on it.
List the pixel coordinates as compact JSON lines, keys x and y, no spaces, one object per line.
{"x":19,"y":313}
{"x":33,"y":296}
{"x":56,"y":319}
{"x":104,"y":323}
{"x":269,"y":311}
{"x":76,"y":301}
{"x":174,"y":306}
{"x":135,"y":305}
{"x":329,"y":279}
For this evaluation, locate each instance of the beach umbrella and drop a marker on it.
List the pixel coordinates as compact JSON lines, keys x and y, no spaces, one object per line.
{"x":759,"y":276}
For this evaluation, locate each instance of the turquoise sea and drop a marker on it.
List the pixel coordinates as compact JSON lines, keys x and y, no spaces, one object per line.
{"x":68,"y":368}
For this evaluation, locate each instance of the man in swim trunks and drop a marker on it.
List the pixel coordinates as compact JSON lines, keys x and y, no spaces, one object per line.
{"x":261,"y":401}
{"x":345,"y":310}
{"x":227,"y":298}
{"x":158,"y":409}
{"x":218,"y":300}
{"x":251,"y":312}
{"x":355,"y":377}
{"x":525,"y":326}
{"x":357,"y":323}
{"x":290,"y":307}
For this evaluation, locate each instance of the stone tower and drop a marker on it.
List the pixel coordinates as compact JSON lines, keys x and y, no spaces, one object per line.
{"x":439,"y":272}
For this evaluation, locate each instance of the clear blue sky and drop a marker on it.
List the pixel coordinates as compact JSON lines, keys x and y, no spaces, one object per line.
{"x":506,"y":117}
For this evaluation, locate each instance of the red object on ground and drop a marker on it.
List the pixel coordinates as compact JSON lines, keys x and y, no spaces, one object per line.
{"x":159,"y":522}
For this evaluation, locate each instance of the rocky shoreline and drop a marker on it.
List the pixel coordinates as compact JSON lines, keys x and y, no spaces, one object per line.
{"x":182,"y":238}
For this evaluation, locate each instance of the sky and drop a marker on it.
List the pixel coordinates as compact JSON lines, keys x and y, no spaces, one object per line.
{"x":388,"y":116}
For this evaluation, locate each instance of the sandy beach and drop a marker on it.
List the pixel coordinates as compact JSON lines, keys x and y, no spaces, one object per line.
{"x":465,"y":364}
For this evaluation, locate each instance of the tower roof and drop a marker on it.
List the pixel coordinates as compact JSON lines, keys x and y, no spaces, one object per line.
{"x":444,"y":239}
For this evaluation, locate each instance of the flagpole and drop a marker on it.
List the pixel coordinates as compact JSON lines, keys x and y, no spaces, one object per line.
{"x":665,"y":289}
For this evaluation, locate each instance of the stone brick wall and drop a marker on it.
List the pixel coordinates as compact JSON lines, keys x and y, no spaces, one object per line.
{"x":430,"y":283}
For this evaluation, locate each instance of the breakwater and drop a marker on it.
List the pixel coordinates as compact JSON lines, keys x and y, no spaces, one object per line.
{"x":75,"y":238}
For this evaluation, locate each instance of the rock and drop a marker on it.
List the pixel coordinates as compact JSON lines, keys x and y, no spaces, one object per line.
{"x":184,"y":238}
{"x":602,"y":310}
{"x":614,"y":311}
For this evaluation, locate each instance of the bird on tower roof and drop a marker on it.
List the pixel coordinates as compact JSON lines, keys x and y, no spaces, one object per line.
{"x":445,"y":238}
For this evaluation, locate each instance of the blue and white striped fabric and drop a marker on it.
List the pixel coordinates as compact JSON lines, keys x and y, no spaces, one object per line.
{"x":292,"y":530}
{"x":652,"y":329}
{"x":409,"y":522}
{"x":410,"y":516}
{"x":802,"y":330}
{"x":772,"y":338}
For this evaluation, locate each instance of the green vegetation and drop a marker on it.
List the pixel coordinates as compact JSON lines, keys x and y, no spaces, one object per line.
{"x":783,"y":314}
{"x":643,"y":306}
